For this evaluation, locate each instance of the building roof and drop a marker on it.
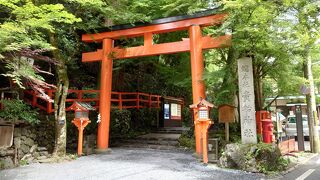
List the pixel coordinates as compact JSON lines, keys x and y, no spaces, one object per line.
{"x":202,"y":102}
{"x":286,"y":97}
{"x":81,"y":105}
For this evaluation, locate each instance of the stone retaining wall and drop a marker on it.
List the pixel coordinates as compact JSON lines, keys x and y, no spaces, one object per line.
{"x":30,"y":143}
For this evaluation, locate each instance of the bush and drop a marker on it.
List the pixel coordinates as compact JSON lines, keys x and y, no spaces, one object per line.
{"x":120,"y":122}
{"x":187,"y":117}
{"x":187,"y":140}
{"x":144,"y":119}
{"x":15,"y":109}
{"x":269,"y":158}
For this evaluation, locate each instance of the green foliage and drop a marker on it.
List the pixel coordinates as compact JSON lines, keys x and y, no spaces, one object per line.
{"x":268,"y":159}
{"x":25,"y":24}
{"x":144,"y":119}
{"x":15,"y":110}
{"x":187,"y":115}
{"x":255,"y":28}
{"x":2,"y":164}
{"x":187,"y":139}
{"x":129,"y":123}
{"x":273,"y":34}
{"x":21,"y":68}
{"x":261,"y":157}
{"x":23,"y":162}
{"x":181,"y":7}
{"x":120,"y":122}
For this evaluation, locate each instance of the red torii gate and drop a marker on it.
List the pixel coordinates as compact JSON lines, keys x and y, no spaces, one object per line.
{"x":195,"y":44}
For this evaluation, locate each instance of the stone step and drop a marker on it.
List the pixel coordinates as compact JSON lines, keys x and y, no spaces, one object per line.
{"x":151,"y":146}
{"x":154,"y":142}
{"x":166,"y":132}
{"x":159,"y":137}
{"x":173,"y":130}
{"x":163,"y":139}
{"x":42,"y":149}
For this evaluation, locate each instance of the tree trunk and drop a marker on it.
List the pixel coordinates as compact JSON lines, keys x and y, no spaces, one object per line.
{"x":229,"y":80}
{"x":311,"y":105}
{"x":60,"y":101}
{"x":258,"y":91}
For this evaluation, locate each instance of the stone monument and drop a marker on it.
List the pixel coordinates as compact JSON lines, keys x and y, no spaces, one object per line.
{"x":246,"y":98}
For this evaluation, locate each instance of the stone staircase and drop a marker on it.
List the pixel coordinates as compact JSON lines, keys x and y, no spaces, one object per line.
{"x":163,"y":139}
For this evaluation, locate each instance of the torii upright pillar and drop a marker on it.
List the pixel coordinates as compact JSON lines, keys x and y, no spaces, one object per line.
{"x":198,"y":87}
{"x":105,"y":96}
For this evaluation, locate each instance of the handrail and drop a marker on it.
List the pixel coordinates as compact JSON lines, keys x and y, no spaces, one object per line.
{"x":120,"y":100}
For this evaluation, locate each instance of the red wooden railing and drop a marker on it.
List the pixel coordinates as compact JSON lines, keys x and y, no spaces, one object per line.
{"x":120,"y":100}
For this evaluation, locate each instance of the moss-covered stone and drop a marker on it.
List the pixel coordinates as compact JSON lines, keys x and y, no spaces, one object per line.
{"x":259,"y":157}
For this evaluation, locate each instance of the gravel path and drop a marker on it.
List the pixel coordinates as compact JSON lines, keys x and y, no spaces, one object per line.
{"x":127,"y":164}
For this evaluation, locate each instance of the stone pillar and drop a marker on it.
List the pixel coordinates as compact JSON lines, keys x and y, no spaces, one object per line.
{"x":246,"y":98}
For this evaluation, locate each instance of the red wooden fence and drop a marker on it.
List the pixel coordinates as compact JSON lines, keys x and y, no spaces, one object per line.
{"x":120,"y":100}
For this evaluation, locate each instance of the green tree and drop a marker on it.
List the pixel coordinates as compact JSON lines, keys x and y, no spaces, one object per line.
{"x":304,"y":28}
{"x":25,"y":28}
{"x":255,"y":29}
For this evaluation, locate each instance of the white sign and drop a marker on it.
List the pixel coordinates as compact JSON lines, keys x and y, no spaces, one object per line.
{"x":246,"y":98}
{"x":166,"y":111}
{"x":175,"y":111}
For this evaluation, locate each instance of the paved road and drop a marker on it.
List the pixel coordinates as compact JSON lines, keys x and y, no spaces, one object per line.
{"x":309,"y":170}
{"x":127,"y":164}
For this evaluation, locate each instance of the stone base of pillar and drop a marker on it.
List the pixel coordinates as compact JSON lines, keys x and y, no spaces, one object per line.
{"x":103,"y":151}
{"x":198,"y":156}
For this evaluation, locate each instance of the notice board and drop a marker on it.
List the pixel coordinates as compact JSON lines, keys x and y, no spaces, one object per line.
{"x":6,"y":135}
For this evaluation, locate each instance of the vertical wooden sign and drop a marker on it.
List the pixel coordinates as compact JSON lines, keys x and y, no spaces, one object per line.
{"x":246,"y":98}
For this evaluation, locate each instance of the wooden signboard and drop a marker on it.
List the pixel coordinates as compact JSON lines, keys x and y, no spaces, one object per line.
{"x":226,"y":113}
{"x":6,"y":135}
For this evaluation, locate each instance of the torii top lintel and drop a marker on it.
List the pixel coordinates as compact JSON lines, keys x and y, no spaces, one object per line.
{"x":147,"y":31}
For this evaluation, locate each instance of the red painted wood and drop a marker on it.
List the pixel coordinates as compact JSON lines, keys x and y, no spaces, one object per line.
{"x":156,"y":29}
{"x":92,"y":56}
{"x":198,"y":87}
{"x":138,"y":101}
{"x":157,"y":49}
{"x":120,"y":101}
{"x":49,"y":104}
{"x":141,"y":100}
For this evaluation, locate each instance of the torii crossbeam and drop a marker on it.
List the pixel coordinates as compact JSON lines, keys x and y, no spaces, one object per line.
{"x":196,"y":43}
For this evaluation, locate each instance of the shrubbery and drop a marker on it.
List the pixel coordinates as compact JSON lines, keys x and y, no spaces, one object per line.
{"x":259,"y":157}
{"x":144,"y":119}
{"x":120,"y":122}
{"x":15,"y":109}
{"x":187,"y":139}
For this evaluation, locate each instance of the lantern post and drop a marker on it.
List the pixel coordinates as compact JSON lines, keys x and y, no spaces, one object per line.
{"x":204,"y":122}
{"x":81,"y":120}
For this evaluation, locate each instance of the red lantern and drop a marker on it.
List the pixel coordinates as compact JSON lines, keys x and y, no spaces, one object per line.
{"x":81,"y":119}
{"x":202,"y":124}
